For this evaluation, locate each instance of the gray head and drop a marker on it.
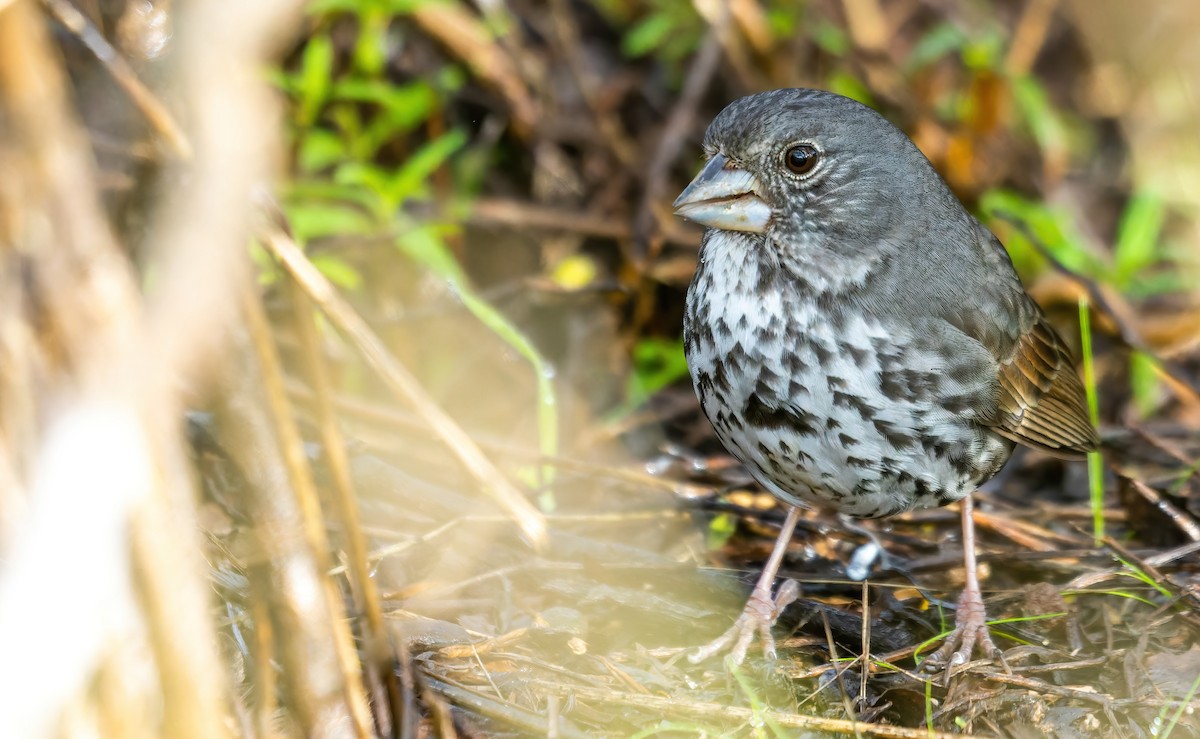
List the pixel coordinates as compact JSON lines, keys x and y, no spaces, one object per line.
{"x":818,"y":176}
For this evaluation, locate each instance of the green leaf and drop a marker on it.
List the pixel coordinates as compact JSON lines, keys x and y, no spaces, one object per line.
{"x":657,"y":363}
{"x":1053,"y":228}
{"x":371,"y":179}
{"x":316,"y":220}
{"x":983,"y":51}
{"x":830,"y":38}
{"x":844,"y":83}
{"x":784,"y":22}
{"x":320,"y":148}
{"x":339,"y":271}
{"x":935,"y":44}
{"x":1137,"y":235}
{"x":316,"y":189}
{"x":647,"y":35}
{"x":1144,"y":383}
{"x":1045,"y":123}
{"x":424,"y":245}
{"x":371,"y":52}
{"x":417,"y":170}
{"x":314,"y":79}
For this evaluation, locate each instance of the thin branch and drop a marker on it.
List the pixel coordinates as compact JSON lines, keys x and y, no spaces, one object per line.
{"x":406,"y":386}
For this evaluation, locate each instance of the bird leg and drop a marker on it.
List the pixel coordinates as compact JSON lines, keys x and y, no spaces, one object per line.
{"x":970,"y":621}
{"x":761,"y":610}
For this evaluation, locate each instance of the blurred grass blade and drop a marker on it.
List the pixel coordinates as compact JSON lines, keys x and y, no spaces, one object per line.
{"x":314,"y":80}
{"x":1137,"y":236}
{"x":1095,"y":460}
{"x":1143,"y":382}
{"x":424,"y":246}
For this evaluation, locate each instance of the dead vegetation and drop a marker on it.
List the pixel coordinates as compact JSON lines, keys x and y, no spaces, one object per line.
{"x":423,"y":458}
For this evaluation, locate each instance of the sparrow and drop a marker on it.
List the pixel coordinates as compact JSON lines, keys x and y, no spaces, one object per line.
{"x":857,"y":339}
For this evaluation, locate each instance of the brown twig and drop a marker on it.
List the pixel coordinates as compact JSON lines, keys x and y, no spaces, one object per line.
{"x":518,"y":214}
{"x":466,"y":37}
{"x":570,"y":45}
{"x":727,"y":713}
{"x":1041,"y":686}
{"x":1030,"y":35}
{"x":1178,"y":379}
{"x":374,"y":414}
{"x":274,"y":514}
{"x":406,"y":386}
{"x":379,"y":660}
{"x":671,"y":140}
{"x":155,"y":112}
{"x":1183,"y":521}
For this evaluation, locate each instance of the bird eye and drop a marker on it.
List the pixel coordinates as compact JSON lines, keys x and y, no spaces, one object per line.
{"x":801,"y":159}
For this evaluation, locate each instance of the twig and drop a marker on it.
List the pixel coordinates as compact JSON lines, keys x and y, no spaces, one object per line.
{"x":727,"y":713}
{"x":406,"y":386}
{"x":671,"y":142}
{"x":374,"y":414}
{"x":1127,"y":333}
{"x":498,"y":211}
{"x":1163,"y":559}
{"x":1022,"y":532}
{"x":155,"y":112}
{"x":504,"y":712}
{"x":1030,"y":35}
{"x":1185,"y":522}
{"x":1042,"y":686}
{"x":88,"y":442}
{"x":465,"y":36}
{"x":378,"y":654}
{"x":274,"y":517}
{"x":570,"y":45}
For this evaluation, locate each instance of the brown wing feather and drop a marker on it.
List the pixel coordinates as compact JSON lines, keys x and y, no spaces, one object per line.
{"x":1042,"y":402}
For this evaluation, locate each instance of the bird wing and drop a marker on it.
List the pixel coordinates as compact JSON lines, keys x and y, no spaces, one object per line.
{"x":1041,"y":400}
{"x":1035,"y":397}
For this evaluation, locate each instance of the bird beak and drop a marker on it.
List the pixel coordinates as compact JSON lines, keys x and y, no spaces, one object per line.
{"x":725,"y":197}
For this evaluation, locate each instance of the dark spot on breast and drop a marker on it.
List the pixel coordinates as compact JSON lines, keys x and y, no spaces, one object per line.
{"x":859,"y":355}
{"x":720,"y":377}
{"x":835,"y":383}
{"x":859,"y":462}
{"x":721,"y":329}
{"x":934,"y":445}
{"x":895,"y":436}
{"x":846,"y":400}
{"x":767,"y":377}
{"x":847,"y":440}
{"x":821,"y":352}
{"x":761,"y":414}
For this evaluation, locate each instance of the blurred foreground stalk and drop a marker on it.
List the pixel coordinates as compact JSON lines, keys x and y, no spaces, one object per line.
{"x":105,"y":622}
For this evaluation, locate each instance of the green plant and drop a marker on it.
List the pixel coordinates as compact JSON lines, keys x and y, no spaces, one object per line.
{"x":360,"y":161}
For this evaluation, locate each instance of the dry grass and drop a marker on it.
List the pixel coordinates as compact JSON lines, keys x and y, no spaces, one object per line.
{"x":338,"y":500}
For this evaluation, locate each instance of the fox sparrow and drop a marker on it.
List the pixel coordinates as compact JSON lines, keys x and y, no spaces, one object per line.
{"x":856,"y":338}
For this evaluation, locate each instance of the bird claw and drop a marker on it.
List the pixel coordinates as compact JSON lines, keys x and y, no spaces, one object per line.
{"x":970,"y":629}
{"x":760,"y":614}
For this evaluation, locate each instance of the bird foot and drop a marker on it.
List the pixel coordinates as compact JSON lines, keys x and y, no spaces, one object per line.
{"x":970,"y":629}
{"x":760,"y":614}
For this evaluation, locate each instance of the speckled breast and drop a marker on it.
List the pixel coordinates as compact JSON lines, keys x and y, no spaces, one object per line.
{"x":824,"y":405}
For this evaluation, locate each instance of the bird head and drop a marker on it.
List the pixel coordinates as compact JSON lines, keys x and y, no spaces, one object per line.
{"x":812,"y":171}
